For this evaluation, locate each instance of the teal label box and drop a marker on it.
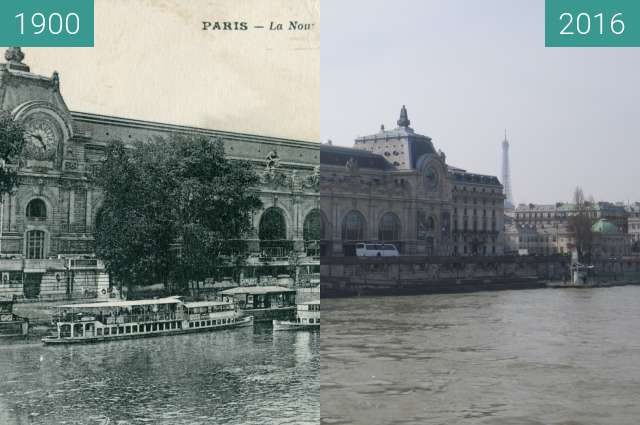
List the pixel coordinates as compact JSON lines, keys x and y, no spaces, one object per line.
{"x":592,"y":23}
{"x":46,"y":23}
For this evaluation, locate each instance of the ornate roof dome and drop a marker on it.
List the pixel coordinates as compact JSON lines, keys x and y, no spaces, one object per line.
{"x":604,"y":226}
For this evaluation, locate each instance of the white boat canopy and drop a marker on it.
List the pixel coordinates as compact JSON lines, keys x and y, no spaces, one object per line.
{"x":108,"y":304}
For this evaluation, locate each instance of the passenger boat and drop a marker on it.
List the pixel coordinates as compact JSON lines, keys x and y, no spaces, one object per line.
{"x":10,"y":324}
{"x":307,"y":318}
{"x":105,"y":321}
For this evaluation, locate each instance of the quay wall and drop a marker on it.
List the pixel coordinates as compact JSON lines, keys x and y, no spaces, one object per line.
{"x":351,"y":276}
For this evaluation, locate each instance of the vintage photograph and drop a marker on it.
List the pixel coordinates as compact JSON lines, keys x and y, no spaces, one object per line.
{"x":160,"y":218}
{"x":480,"y":239}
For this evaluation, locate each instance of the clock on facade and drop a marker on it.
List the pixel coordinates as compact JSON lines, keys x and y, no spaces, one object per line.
{"x":42,"y":138}
{"x":430,"y":178}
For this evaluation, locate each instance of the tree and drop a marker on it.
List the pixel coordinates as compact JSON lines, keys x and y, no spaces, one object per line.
{"x":216,"y":201}
{"x":580,"y":224}
{"x":12,"y":141}
{"x":135,"y":227}
{"x":172,"y":208}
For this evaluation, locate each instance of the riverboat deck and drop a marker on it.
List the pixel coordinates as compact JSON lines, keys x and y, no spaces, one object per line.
{"x":96,"y":322}
{"x":307,"y":318}
{"x":11,"y":325}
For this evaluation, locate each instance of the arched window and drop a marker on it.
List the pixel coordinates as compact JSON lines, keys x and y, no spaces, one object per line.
{"x":272,"y":225}
{"x":36,"y":210}
{"x":324,"y":228}
{"x":389,"y":228}
{"x":35,"y":244}
{"x":311,"y":228}
{"x":353,"y":227}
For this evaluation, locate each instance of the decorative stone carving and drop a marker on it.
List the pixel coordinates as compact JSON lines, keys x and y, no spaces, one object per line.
{"x":312,"y":181}
{"x":14,"y":55}
{"x":352,"y":166}
{"x":55,"y":81}
{"x":272,"y":161}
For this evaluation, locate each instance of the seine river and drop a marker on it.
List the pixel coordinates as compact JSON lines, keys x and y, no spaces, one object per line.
{"x":238,"y":376}
{"x":550,"y":356}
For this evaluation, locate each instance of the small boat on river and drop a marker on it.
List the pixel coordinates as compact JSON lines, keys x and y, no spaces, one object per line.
{"x":105,"y":321}
{"x":307,"y":318}
{"x":11,"y":324}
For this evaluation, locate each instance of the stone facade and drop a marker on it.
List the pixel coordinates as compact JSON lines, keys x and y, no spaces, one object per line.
{"x":394,"y":186}
{"x":51,"y":216}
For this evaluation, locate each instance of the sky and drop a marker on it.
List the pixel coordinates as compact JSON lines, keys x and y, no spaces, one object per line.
{"x":468,"y":70}
{"x":152,"y":61}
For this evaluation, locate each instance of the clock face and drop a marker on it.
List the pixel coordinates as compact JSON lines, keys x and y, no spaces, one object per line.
{"x":42,"y":138}
{"x":430,"y":178}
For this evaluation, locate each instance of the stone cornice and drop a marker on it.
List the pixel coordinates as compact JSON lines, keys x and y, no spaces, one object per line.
{"x":156,"y":126}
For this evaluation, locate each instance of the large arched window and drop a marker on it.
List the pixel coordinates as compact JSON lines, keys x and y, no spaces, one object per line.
{"x":37,"y":210}
{"x":324,"y":228}
{"x":35,"y":244}
{"x":272,"y":225}
{"x":311,"y":228}
{"x":389,"y":228}
{"x":353,"y":227}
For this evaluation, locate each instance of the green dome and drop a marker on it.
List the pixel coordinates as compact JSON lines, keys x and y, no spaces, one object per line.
{"x":604,"y":226}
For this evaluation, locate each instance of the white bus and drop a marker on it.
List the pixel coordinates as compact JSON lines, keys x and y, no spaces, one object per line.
{"x":376,"y":250}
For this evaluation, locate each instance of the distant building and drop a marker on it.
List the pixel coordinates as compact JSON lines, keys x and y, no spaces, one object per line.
{"x":633,"y":225}
{"x":393,"y":186}
{"x":543,"y":229}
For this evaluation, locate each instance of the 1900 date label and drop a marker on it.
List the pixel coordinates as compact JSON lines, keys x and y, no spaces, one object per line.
{"x":47,"y":23}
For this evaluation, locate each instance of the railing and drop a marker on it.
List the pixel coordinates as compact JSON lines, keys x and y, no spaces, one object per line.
{"x":276,"y":248}
{"x":117,"y":320}
{"x":312,"y":248}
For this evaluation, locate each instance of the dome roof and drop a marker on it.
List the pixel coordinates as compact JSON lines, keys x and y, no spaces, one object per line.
{"x":604,"y":226}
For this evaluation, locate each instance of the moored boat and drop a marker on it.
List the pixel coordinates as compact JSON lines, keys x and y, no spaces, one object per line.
{"x":104,"y":321}
{"x":307,"y":318}
{"x":11,"y":324}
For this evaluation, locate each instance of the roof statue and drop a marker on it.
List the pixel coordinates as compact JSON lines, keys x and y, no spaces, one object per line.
{"x":404,"y":118}
{"x":14,"y":57}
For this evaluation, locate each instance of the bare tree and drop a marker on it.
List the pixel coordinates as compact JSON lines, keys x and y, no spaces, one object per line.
{"x":580,"y":224}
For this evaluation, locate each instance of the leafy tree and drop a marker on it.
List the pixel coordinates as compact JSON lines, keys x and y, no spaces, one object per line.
{"x":135,"y":228}
{"x":172,"y":209}
{"x":580,"y":224}
{"x":216,"y":201}
{"x":11,"y":144}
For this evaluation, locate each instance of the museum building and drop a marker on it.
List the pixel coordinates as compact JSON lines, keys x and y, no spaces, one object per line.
{"x":393,"y":186}
{"x":47,"y":224}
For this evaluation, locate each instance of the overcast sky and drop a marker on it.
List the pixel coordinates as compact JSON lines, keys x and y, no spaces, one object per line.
{"x":466,"y":71}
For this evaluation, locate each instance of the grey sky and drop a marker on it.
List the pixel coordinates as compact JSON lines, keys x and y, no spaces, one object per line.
{"x":466,"y":71}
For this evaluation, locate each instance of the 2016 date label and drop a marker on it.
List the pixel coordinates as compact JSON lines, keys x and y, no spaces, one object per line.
{"x":592,"y":23}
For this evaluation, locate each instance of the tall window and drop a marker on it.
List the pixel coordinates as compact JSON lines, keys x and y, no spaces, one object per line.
{"x":272,"y":225}
{"x":353,"y":227}
{"x":36,"y":210}
{"x":312,"y":226}
{"x":35,"y":244}
{"x":389,"y":228}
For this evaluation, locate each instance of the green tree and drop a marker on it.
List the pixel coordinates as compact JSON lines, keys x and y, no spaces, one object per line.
{"x":12,"y":140}
{"x":173,"y":208}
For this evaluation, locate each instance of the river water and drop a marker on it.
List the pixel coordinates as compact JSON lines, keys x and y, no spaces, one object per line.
{"x":235,"y":376}
{"x":550,"y":356}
